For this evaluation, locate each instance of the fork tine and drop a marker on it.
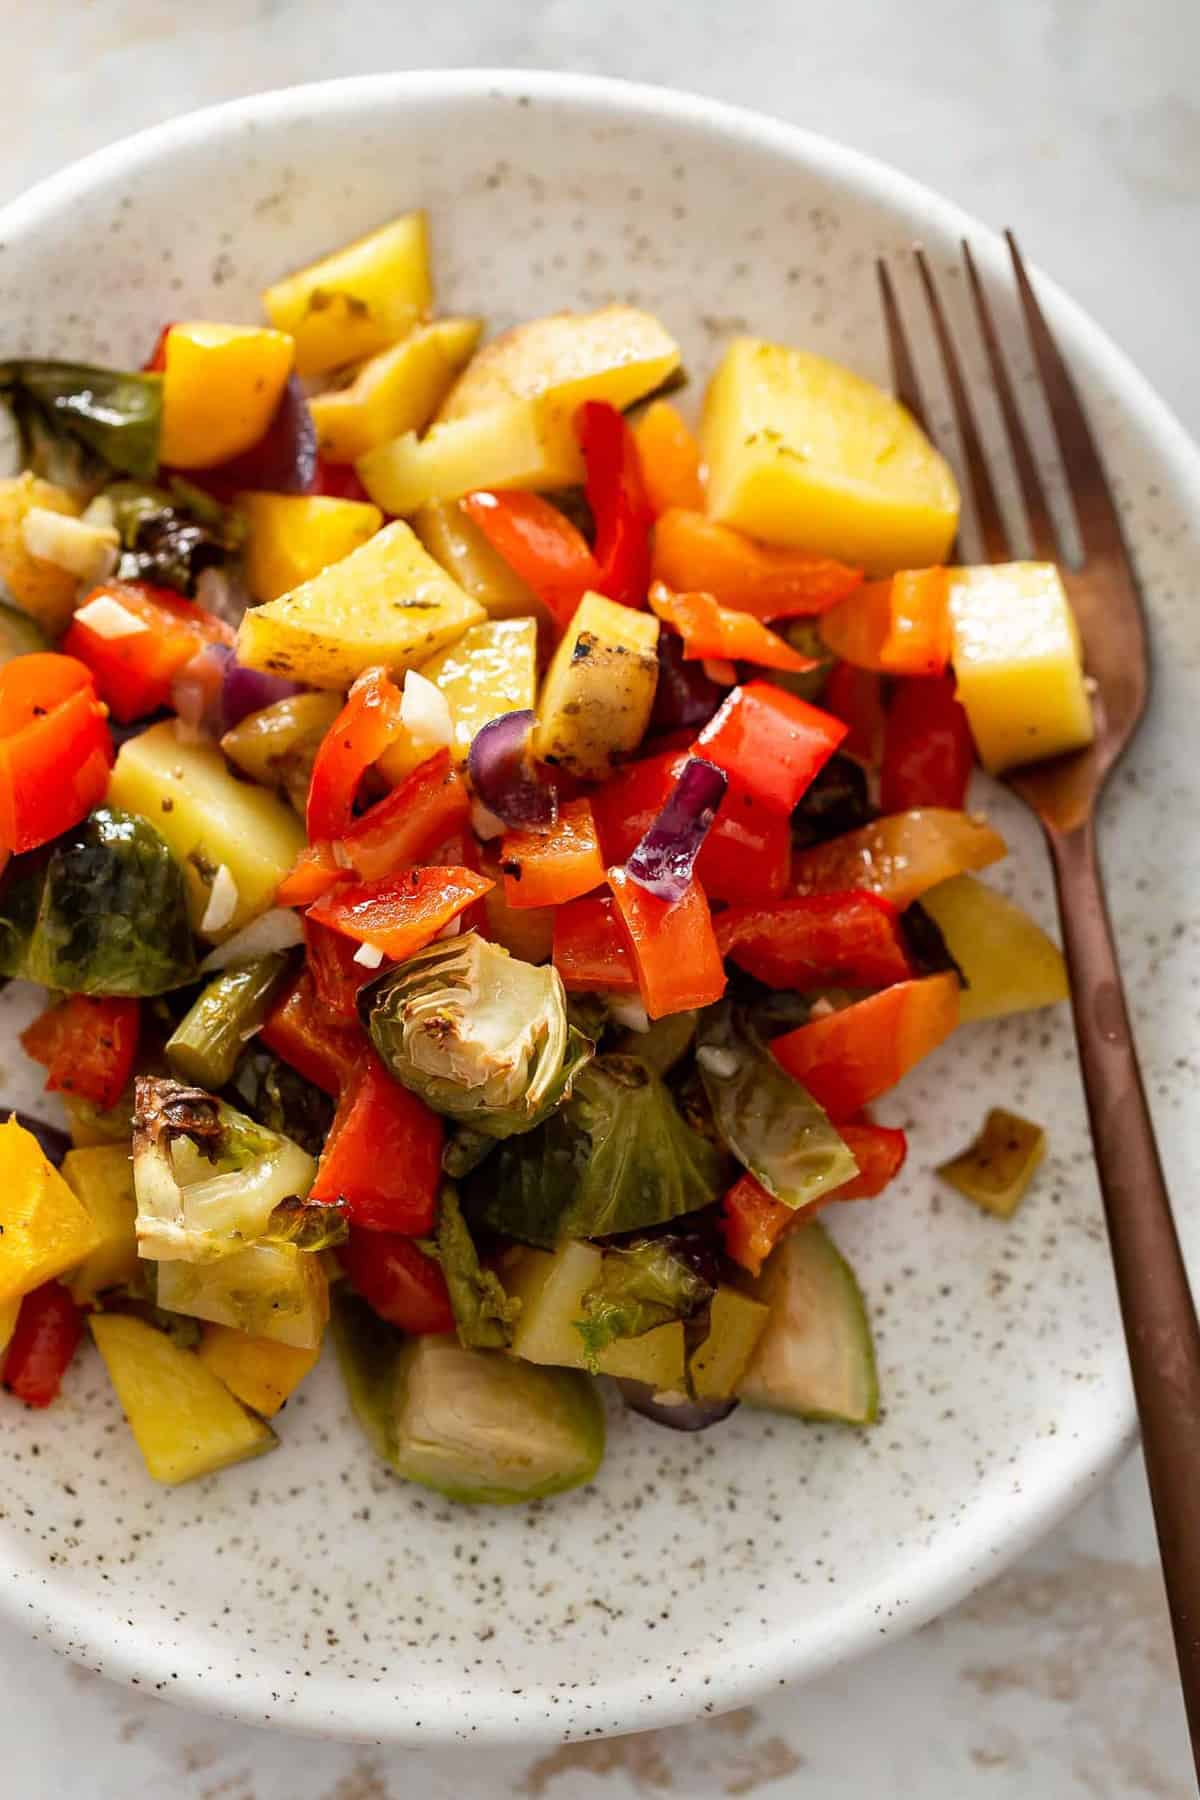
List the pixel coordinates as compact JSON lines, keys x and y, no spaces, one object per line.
{"x":1095,"y":510}
{"x":904,"y":374}
{"x":991,"y":523}
{"x":1041,"y":526}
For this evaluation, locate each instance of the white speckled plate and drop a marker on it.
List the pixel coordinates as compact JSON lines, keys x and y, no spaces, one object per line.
{"x":311,"y":1589}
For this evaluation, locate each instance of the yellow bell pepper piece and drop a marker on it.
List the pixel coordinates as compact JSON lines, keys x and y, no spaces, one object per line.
{"x":357,"y":301}
{"x":8,"y":1322}
{"x":399,"y":390}
{"x":43,"y":1228}
{"x":261,"y":1373}
{"x":292,"y":537}
{"x":997,"y":1168}
{"x":1009,"y":962}
{"x":221,"y":386}
{"x":101,"y":1178}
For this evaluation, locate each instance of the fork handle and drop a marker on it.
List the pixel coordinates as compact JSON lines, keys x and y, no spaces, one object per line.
{"x":1156,"y":1302}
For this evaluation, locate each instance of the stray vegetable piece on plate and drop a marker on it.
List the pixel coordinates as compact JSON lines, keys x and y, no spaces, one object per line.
{"x":536,"y":832}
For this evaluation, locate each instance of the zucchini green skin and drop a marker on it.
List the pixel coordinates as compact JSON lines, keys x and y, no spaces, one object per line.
{"x":816,"y":1356}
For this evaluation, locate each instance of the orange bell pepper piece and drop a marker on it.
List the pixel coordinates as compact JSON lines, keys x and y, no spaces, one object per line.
{"x":693,"y":554}
{"x":899,"y":856}
{"x":710,"y":630}
{"x":55,"y":749}
{"x":590,"y":949}
{"x":546,"y":868}
{"x":674,"y":946}
{"x":900,"y":626}
{"x":402,"y":913}
{"x":670,"y":458}
{"x":850,"y":1057}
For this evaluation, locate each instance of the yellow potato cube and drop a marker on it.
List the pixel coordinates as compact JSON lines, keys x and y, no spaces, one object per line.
{"x":102,"y":1180}
{"x":185,"y":1422}
{"x":458,"y":544}
{"x":399,"y":390}
{"x":8,"y":1321}
{"x":42,"y":589}
{"x":617,"y":353}
{"x":803,"y":452}
{"x":737,"y":1324}
{"x":259,"y":1372}
{"x":387,"y":602}
{"x":268,"y":1290}
{"x":596,"y":698}
{"x":520,"y":444}
{"x":1009,"y":962}
{"x":292,"y":537}
{"x":210,"y":819}
{"x":550,"y":1286}
{"x":1017,"y":663}
{"x":357,"y":301}
{"x":221,"y":386}
{"x":43,"y":1228}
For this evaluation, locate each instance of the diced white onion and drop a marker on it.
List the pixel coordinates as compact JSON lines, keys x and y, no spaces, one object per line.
{"x":452,"y":929}
{"x":717,"y":1060}
{"x":821,"y":1008}
{"x":222,"y":902}
{"x":624,"y":1010}
{"x":485,"y":823}
{"x":109,"y":619}
{"x":100,"y":512}
{"x":279,"y":929}
{"x":425,"y":712}
{"x":369,"y":955}
{"x":86,"y":551}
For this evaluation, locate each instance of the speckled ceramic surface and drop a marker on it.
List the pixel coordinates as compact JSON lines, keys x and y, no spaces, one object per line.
{"x":313,"y":1590}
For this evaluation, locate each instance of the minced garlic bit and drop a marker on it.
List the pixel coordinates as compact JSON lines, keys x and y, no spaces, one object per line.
{"x":624,"y":1010}
{"x":485,"y":823}
{"x":425,"y":712}
{"x":717,"y":1060}
{"x":821,"y":1008}
{"x":369,"y":956}
{"x":222,"y":902}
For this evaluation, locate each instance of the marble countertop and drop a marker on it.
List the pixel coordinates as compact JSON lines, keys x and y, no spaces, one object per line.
{"x":1079,"y":121}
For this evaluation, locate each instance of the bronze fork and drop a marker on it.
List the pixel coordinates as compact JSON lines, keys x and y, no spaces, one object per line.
{"x":1156,"y":1302}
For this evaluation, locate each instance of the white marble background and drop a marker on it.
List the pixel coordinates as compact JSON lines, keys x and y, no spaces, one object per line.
{"x":1079,"y":122}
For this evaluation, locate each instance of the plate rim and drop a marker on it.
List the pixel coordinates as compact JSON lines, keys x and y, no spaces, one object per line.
{"x":738,"y":1674}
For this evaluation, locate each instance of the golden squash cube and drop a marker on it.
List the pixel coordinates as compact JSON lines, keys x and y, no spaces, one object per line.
{"x":399,"y":390}
{"x":261,"y":1373}
{"x":1018,"y":667}
{"x":210,"y":819}
{"x":618,"y":353}
{"x":292,"y":537}
{"x":102,"y":1180}
{"x":44,"y":1230}
{"x":803,"y":452}
{"x":387,"y":602}
{"x":358,"y":300}
{"x":596,"y":699}
{"x":8,"y":1322}
{"x":221,"y":385}
{"x":185,"y":1422}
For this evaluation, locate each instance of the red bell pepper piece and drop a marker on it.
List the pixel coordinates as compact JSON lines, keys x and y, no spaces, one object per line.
{"x":770,"y":742}
{"x":312,"y":874}
{"x":591,"y":952}
{"x":550,"y":867}
{"x":87,"y":1045}
{"x":399,"y":914}
{"x":335,"y":974}
{"x":928,"y":752}
{"x":49,"y":1326}
{"x":339,"y":481}
{"x":670,"y":459}
{"x":383,"y":1156}
{"x":314,"y":1043}
{"x":134,"y":673}
{"x":360,"y":734}
{"x":848,"y":1058}
{"x":429,"y":807}
{"x":855,"y":696}
{"x":398,"y":1281}
{"x":674,"y":947}
{"x":156,"y":362}
{"x":617,"y":496}
{"x":55,"y":749}
{"x":745,"y":857}
{"x":900,"y":626}
{"x":693,"y":554}
{"x":540,"y":544}
{"x":711,"y":631}
{"x":752,"y":1221}
{"x":819,"y":940}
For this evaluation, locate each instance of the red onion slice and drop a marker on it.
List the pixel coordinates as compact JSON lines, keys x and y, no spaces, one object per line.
{"x":249,"y":690}
{"x":677,"y":1415}
{"x":685,"y":695}
{"x":504,"y":778}
{"x":663,"y":862}
{"x":196,"y":692}
{"x":284,"y":460}
{"x":54,"y":1142}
